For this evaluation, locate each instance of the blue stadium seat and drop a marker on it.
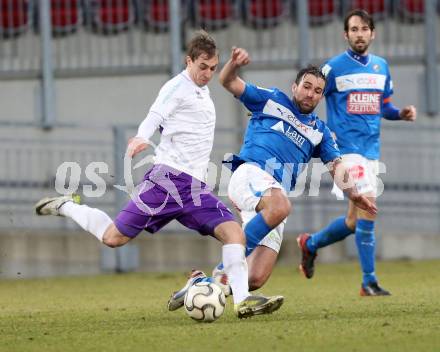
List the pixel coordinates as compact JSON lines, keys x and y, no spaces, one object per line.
{"x":14,"y":17}
{"x":263,"y":13}
{"x":110,"y":16}
{"x":212,"y":14}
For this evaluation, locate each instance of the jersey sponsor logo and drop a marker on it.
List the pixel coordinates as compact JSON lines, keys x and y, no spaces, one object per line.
{"x":291,"y":133}
{"x":360,"y":81}
{"x":279,"y":126}
{"x":272,"y":108}
{"x":295,"y":136}
{"x":364,"y":103}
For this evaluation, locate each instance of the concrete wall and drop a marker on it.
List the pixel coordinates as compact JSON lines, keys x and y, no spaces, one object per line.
{"x":25,"y":254}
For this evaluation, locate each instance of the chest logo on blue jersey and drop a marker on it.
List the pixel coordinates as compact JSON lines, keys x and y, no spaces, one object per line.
{"x":277,"y":110}
{"x":291,"y":133}
{"x":360,"y":81}
{"x":364,"y":103}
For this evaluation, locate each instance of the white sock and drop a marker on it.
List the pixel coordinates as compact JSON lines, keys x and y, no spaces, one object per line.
{"x":236,"y":268}
{"x":92,"y":220}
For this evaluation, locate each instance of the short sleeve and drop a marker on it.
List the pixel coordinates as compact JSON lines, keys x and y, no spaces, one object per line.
{"x":254,"y":98}
{"x":327,"y":150}
{"x":329,"y":79}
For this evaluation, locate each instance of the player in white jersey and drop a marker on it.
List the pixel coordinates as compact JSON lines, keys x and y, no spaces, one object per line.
{"x":358,"y":96}
{"x":174,"y":188}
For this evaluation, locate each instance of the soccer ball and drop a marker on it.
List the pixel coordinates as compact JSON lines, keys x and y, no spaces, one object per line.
{"x":205,"y":301}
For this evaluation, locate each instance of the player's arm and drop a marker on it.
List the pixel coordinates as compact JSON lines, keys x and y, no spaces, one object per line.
{"x":345,"y":182}
{"x":146,"y":129}
{"x":391,"y":112}
{"x":229,"y":74}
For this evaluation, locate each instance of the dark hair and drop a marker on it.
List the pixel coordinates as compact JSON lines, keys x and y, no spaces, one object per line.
{"x":364,"y":15}
{"x":201,"y":43}
{"x":309,"y":70}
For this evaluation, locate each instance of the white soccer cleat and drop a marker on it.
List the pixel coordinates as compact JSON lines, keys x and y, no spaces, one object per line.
{"x":52,"y":205}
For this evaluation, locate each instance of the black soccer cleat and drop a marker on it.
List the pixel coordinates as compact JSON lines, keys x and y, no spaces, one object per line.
{"x":307,"y":265}
{"x":373,"y":289}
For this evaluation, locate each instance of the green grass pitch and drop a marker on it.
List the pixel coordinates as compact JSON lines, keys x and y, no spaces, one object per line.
{"x":128,"y":313}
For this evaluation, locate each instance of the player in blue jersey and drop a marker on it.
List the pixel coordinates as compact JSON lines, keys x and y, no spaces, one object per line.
{"x":282,"y":136}
{"x":358,"y":93}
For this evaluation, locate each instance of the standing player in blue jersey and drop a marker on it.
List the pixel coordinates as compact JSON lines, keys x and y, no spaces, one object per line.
{"x":358,"y":93}
{"x":282,"y":136}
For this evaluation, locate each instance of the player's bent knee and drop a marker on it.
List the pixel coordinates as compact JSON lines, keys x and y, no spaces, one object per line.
{"x":280,"y":209}
{"x":113,"y":238}
{"x":256,"y":281}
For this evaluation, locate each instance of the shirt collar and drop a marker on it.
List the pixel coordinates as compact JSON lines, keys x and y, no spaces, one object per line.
{"x":362,"y":59}
{"x":185,"y":74}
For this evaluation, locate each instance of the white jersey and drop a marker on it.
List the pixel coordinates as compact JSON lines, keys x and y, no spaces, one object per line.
{"x":186,"y":114}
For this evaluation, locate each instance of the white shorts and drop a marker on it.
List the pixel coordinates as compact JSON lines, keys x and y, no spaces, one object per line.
{"x":247,"y":185}
{"x":364,"y":172}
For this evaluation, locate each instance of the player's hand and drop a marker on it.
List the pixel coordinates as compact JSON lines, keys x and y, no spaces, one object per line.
{"x":364,"y":203}
{"x":408,"y":113}
{"x":136,"y":145}
{"x":239,"y":57}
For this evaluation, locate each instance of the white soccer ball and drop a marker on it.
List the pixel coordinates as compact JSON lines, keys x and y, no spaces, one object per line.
{"x":205,"y":302}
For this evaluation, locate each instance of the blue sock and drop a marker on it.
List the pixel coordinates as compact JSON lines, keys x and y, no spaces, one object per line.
{"x":366,"y":245}
{"x":255,"y":230}
{"x":334,"y":232}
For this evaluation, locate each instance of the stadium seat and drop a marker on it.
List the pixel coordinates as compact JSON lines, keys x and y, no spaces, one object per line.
{"x":263,"y":13}
{"x":212,"y":14}
{"x":154,"y":14}
{"x":379,"y":9}
{"x":411,"y":11}
{"x":321,"y":11}
{"x":110,"y":16}
{"x":14,"y":17}
{"x":66,"y":16}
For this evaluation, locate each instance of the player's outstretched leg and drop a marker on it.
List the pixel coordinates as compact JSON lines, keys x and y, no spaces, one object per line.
{"x":177,"y":298}
{"x":52,"y":205}
{"x":92,"y":220}
{"x":256,"y":305}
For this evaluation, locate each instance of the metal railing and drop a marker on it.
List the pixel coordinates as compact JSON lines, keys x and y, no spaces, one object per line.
{"x":123,"y":36}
